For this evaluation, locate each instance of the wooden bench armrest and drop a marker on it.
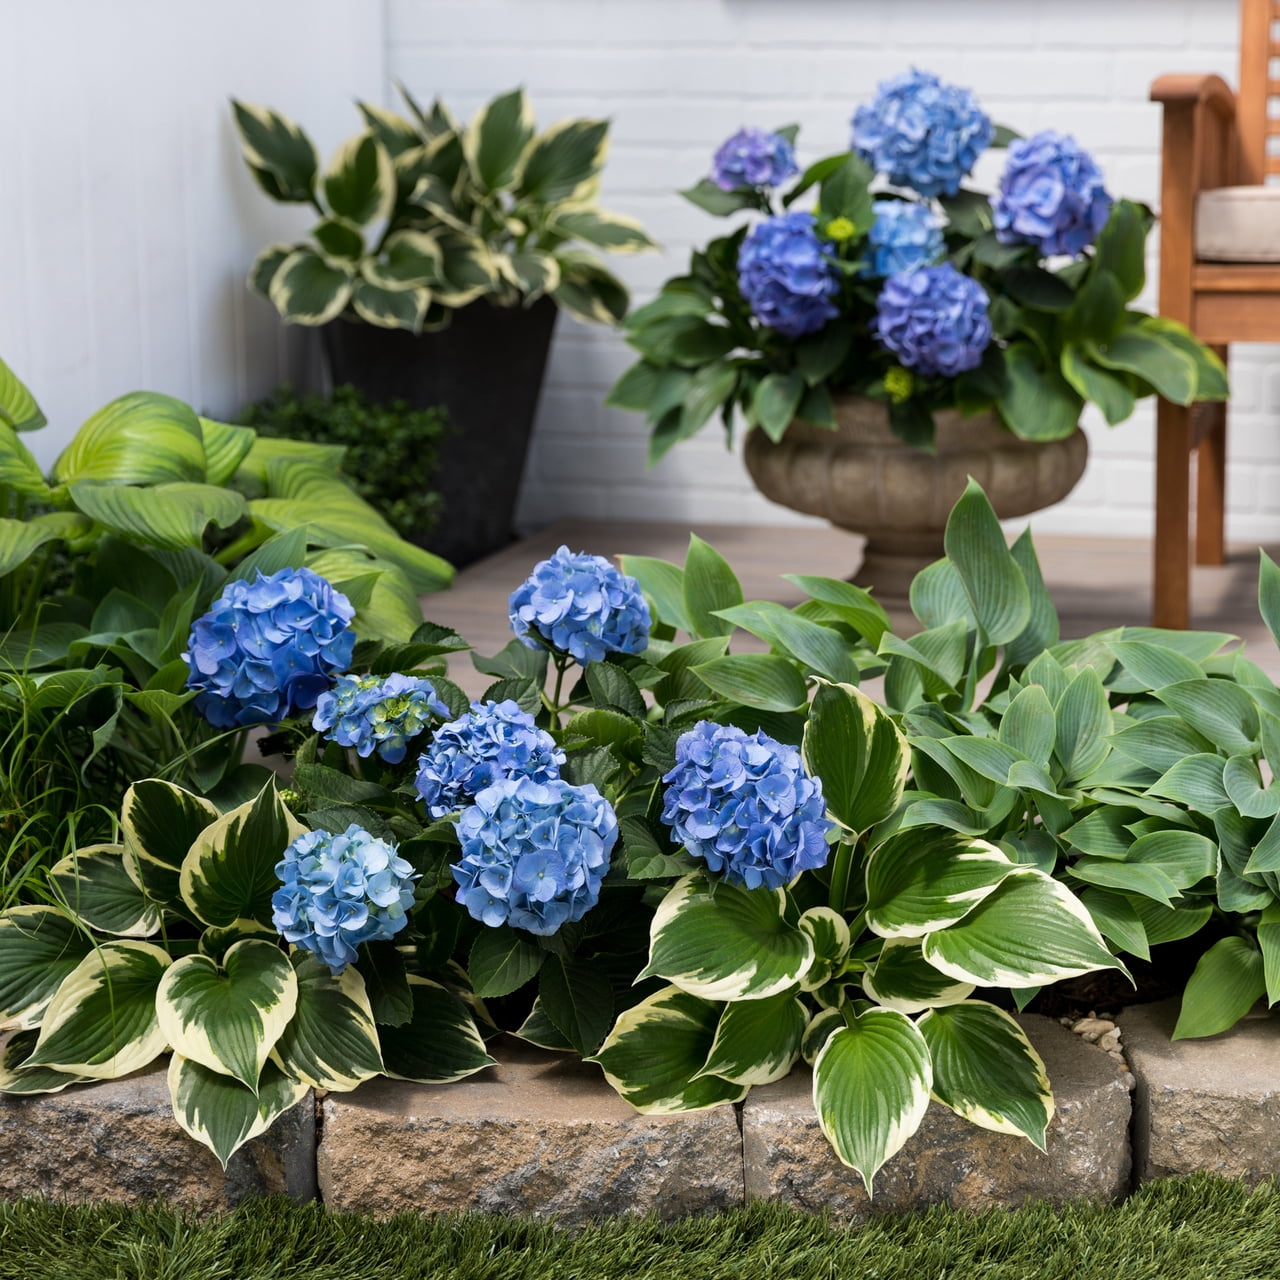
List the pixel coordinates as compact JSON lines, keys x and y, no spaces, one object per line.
{"x":1200,"y":92}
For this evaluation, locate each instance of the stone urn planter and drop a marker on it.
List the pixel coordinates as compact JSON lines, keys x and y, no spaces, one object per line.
{"x":862,"y":478}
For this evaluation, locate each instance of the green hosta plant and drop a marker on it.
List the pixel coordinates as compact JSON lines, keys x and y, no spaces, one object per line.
{"x":419,"y":215}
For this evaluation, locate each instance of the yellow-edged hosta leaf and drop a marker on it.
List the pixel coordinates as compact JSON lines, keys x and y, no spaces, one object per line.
{"x":563,"y":160}
{"x":496,"y":138}
{"x":308,"y":290}
{"x":171,"y":516}
{"x":266,"y":264}
{"x":407,"y":260}
{"x":39,"y":947}
{"x":613,"y":231}
{"x":390,"y":308}
{"x":467,"y":271}
{"x":18,"y":408}
{"x":902,"y":979}
{"x":360,"y":183}
{"x":280,"y":156}
{"x":103,"y":889}
{"x":339,"y":238}
{"x":139,"y":438}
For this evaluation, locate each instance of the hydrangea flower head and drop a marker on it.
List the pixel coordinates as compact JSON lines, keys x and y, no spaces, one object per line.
{"x":787,"y":274}
{"x":753,"y":158}
{"x":534,"y":853}
{"x":1051,"y":195}
{"x":268,"y":649}
{"x":382,"y":713}
{"x":934,"y":319}
{"x":745,"y":805}
{"x":339,"y":891}
{"x":494,"y":741}
{"x":904,"y":235}
{"x":922,"y":133}
{"x":581,"y":605}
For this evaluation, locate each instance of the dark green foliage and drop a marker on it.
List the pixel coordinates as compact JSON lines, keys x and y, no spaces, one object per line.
{"x":1184,"y":1229}
{"x":392,"y":450}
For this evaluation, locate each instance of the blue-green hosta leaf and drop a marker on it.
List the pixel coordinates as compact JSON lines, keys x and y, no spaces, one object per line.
{"x":159,"y":823}
{"x":102,"y":1022}
{"x":1197,"y":782}
{"x":19,"y":471}
{"x":102,"y":888}
{"x":1145,"y":881}
{"x":19,"y":539}
{"x":1186,"y":857}
{"x":229,"y":1017}
{"x":858,"y":752}
{"x":709,"y":586}
{"x":757,"y":1041}
{"x":831,"y":944}
{"x":308,"y":289}
{"x":1161,"y":742}
{"x":1028,"y":725}
{"x":1103,"y":833}
{"x":1266,"y":853}
{"x":331,"y":1041}
{"x":141,"y":438}
{"x":439,"y":1043}
{"x":938,"y":597}
{"x":760,"y":680}
{"x":871,"y":1086}
{"x":172,"y":516}
{"x":223,"y":1114}
{"x":821,"y":648}
{"x":18,"y":408}
{"x":986,"y":1071}
{"x":1151,"y":666}
{"x":924,"y":879}
{"x":1269,"y":593}
{"x":1170,"y":924}
{"x":720,"y":942}
{"x":1220,"y":710}
{"x":1269,"y":945}
{"x":903,"y":980}
{"x":1029,"y":932}
{"x":496,"y":137}
{"x":847,"y":603}
{"x":1046,"y":671}
{"x":992,"y":580}
{"x":1083,"y":721}
{"x":360,"y":182}
{"x":930,"y":811}
{"x":228,"y":873}
{"x":663,"y":583}
{"x":1117,"y":919}
{"x":18,"y":1079}
{"x":39,"y":947}
{"x":656,"y":1049}
{"x":1228,"y":981}
{"x":1243,"y":782}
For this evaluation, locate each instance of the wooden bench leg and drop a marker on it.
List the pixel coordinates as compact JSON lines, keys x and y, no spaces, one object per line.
{"x":1172,"y":552}
{"x":1211,"y":483}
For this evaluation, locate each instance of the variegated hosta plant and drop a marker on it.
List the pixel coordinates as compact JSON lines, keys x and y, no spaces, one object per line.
{"x":420,"y":215}
{"x":165,"y":943}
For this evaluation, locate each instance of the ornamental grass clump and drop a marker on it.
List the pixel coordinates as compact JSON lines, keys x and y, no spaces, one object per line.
{"x":878,"y":272}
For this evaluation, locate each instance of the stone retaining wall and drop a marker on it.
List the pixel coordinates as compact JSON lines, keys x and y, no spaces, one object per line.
{"x":543,"y":1134}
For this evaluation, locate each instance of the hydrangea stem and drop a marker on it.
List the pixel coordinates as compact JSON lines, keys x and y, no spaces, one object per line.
{"x":553,"y":704}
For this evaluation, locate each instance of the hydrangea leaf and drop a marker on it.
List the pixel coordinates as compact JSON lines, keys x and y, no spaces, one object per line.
{"x":986,"y":1070}
{"x":757,"y":1041}
{"x":39,"y":947}
{"x":102,"y":1021}
{"x":229,"y":1017}
{"x":502,"y":960}
{"x":386,"y":983}
{"x":719,"y":942}
{"x":871,"y":1087}
{"x":538,"y":1029}
{"x":439,"y":1044}
{"x":578,"y":998}
{"x":903,"y":980}
{"x":159,"y":823}
{"x":103,"y":889}
{"x":656,"y":1049}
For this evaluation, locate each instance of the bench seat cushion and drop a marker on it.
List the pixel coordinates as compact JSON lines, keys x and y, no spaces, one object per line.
{"x":1238,"y":224}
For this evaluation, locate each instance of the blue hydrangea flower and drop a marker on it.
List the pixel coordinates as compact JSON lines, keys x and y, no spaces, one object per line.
{"x":339,"y":891}
{"x":1051,"y":195}
{"x":534,"y":853}
{"x":377,"y":713}
{"x":934,"y":319}
{"x":745,"y":805}
{"x":581,"y":605}
{"x":268,"y":649}
{"x":903,"y":236}
{"x":788,"y":276}
{"x":753,"y":158}
{"x":922,"y":133}
{"x":492,"y":742}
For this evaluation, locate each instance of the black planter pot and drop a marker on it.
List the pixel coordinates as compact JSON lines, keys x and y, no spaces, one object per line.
{"x":486,"y":368}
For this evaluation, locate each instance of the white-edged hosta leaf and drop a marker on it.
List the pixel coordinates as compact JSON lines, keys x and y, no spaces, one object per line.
{"x":1229,"y":979}
{"x":1027,"y":933}
{"x":655,"y":1050}
{"x":407,"y":260}
{"x":496,"y":138}
{"x":306,"y":289}
{"x":171,"y":516}
{"x":986,"y":1070}
{"x":18,"y":408}
{"x":280,"y":156}
{"x":439,"y":1044}
{"x":102,"y":1019}
{"x":39,"y":947}
{"x":993,"y":582}
{"x":217,"y":940}
{"x":331,"y":1041}
{"x":229,"y":873}
{"x":926,"y":878}
{"x":757,"y":1041}
{"x":390,"y":308}
{"x":567,"y":156}
{"x":228,"y":1017}
{"x":822,"y":1026}
{"x":720,"y":942}
{"x":871,"y":1086}
{"x":159,"y":822}
{"x":223,"y":1114}
{"x":17,"y":1079}
{"x":266,"y":264}
{"x":102,"y":889}
{"x":859,"y":754}
{"x":831,"y":944}
{"x":225,"y":448}
{"x":140,"y":438}
{"x":360,"y":182}
{"x":339,"y":238}
{"x":19,"y":539}
{"x":903,"y":980}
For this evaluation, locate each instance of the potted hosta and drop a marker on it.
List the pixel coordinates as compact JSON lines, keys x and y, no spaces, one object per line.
{"x":885,"y":330}
{"x":440,"y":257}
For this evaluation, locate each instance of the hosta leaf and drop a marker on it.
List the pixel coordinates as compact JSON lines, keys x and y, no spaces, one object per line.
{"x":1197,"y":782}
{"x":18,"y":1079}
{"x":1228,"y":981}
{"x":663,"y":583}
{"x":18,"y":408}
{"x":390,"y":308}
{"x":1029,"y":726}
{"x":360,"y":183}
{"x":613,"y":231}
{"x":871,"y":1086}
{"x":903,"y":980}
{"x":496,"y":138}
{"x":1161,"y":742}
{"x":1222,"y":711}
{"x":439,"y":1044}
{"x":172,"y":516}
{"x":307,"y":289}
{"x":281,"y":156}
{"x":538,"y":1029}
{"x":986,"y":1071}
{"x":720,"y":942}
{"x":229,"y":1017}
{"x":39,"y":947}
{"x":19,"y":471}
{"x":1117,"y":919}
{"x":225,"y":448}
{"x":757,"y":1041}
{"x":1153,"y":666}
{"x":102,"y":1021}
{"x":850,"y":604}
{"x":821,"y":648}
{"x":709,"y":585}
{"x":759,"y":680}
{"x":831,"y":943}
{"x":1243,"y":783}
{"x":101,"y":889}
{"x":159,"y":823}
{"x":142,"y":438}
{"x":995,"y":586}
{"x":656,"y":1049}
{"x":562,"y":159}
{"x":19,"y":539}
{"x":822,"y":1026}
{"x":1083,"y":719}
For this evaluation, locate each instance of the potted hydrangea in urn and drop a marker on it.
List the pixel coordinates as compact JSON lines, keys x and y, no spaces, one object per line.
{"x":886,"y":331}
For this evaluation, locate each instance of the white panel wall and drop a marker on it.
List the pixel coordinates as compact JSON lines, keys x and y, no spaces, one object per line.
{"x":127,"y":219}
{"x":678,"y":76}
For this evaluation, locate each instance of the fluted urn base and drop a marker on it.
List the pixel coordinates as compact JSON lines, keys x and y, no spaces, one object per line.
{"x":862,"y":478}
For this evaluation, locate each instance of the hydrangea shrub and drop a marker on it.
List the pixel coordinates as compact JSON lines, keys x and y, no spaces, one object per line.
{"x":788,"y":275}
{"x":753,"y":158}
{"x":375,"y":713}
{"x":934,"y":320}
{"x":903,"y":236}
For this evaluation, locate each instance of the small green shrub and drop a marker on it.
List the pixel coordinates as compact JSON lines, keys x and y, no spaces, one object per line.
{"x":392,"y":449}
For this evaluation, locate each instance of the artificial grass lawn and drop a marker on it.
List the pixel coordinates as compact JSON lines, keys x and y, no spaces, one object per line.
{"x":1197,"y":1228}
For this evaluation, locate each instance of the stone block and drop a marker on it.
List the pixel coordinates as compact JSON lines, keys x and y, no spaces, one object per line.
{"x":118,"y":1141}
{"x":539,"y":1133}
{"x":948,"y":1160}
{"x":1211,"y":1104}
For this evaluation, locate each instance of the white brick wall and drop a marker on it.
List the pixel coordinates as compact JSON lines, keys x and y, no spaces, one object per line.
{"x":677,"y":76}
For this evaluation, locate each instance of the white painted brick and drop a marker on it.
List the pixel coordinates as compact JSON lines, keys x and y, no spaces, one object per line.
{"x":1060,"y":76}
